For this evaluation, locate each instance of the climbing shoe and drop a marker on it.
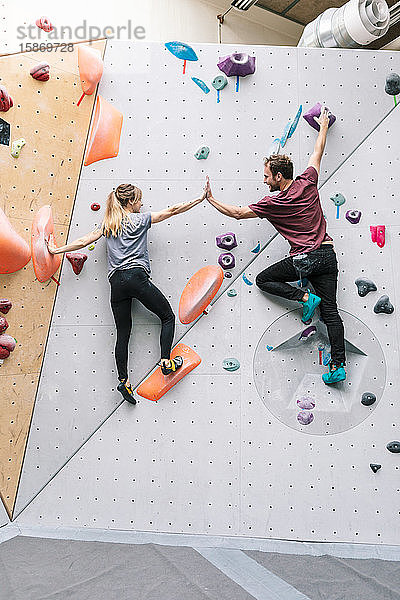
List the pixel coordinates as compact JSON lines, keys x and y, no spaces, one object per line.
{"x":335,"y":375}
{"x":309,"y":307}
{"x":176,"y":364}
{"x":127,"y":392}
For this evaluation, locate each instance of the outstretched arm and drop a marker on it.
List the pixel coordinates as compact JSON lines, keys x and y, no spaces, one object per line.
{"x":177,"y":209}
{"x":316,"y":156}
{"x":236,"y":212}
{"x":78,"y":244}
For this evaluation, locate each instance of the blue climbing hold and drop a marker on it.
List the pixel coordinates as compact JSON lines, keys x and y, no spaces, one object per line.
{"x":246,"y":280}
{"x":295,"y":121}
{"x":202,"y":85}
{"x":257,"y":249}
{"x":285,"y":133}
{"x":181,"y":50}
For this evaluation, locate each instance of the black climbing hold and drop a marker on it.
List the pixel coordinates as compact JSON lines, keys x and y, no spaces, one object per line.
{"x":368,"y":398}
{"x":4,"y":132}
{"x":364,"y":286}
{"x":384,"y":306}
{"x":228,"y":274}
{"x":375,"y":467}
{"x":392,"y":86}
{"x":393,"y":447}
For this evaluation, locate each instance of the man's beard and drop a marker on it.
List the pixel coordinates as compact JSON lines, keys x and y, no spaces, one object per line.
{"x":274,"y":187}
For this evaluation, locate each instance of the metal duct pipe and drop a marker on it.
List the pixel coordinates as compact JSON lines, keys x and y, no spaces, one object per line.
{"x":355,"y":24}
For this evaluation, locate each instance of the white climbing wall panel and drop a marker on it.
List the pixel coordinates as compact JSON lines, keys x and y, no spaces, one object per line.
{"x":210,"y":457}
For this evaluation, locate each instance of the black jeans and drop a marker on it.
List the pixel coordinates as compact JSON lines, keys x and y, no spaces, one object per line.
{"x":127,"y":284}
{"x":320,"y":268}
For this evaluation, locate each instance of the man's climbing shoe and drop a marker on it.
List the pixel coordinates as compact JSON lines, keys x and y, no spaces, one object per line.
{"x":309,"y":307}
{"x":175,"y":364}
{"x":127,"y":392}
{"x":335,"y":375}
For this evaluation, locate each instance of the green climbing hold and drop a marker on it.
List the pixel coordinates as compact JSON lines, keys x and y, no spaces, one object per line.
{"x":231,"y":364}
{"x":17,"y":146}
{"x":232,"y":293}
{"x":202,"y":153}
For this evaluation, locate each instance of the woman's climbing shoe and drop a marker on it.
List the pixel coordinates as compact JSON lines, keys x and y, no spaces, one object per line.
{"x":310,"y":306}
{"x":175,"y":364}
{"x":127,"y":392}
{"x":335,"y":375}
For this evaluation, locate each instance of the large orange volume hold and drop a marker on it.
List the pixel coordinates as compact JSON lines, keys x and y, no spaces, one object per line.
{"x":157,"y":384}
{"x":90,"y":68}
{"x":106,"y":132}
{"x":44,"y":263}
{"x":199,"y":291}
{"x":14,"y":250}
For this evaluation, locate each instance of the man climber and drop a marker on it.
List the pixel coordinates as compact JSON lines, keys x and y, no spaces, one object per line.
{"x":296,"y":213}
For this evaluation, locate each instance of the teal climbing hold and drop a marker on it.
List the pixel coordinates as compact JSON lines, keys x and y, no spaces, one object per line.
{"x":202,"y":153}
{"x":231,"y":364}
{"x":232,"y":293}
{"x":257,"y":249}
{"x":246,"y":280}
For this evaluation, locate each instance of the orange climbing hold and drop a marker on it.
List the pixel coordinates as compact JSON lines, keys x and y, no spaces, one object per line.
{"x":199,"y":291}
{"x":90,"y":69}
{"x":158,"y":384}
{"x":14,"y":250}
{"x":44,"y":263}
{"x":106,"y":132}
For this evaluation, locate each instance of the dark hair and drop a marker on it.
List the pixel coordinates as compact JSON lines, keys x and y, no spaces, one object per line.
{"x":279,"y":163}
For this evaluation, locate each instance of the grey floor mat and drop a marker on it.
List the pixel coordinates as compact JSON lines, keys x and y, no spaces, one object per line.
{"x":46,"y":569}
{"x":330,"y":578}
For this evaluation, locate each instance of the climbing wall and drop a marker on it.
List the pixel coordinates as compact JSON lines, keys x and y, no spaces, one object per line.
{"x":47,"y":172}
{"x":223,"y":452}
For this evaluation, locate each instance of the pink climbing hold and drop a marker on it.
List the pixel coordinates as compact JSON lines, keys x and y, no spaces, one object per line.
{"x":378,"y":234}
{"x":5,"y":305}
{"x":45,"y":24}
{"x":77,"y":260}
{"x":6,"y":102}
{"x":40,"y":72}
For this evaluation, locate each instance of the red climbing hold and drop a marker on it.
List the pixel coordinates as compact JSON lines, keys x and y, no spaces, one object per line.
{"x":5,"y":305}
{"x":45,"y":24}
{"x":95,"y":206}
{"x":41,"y":71}
{"x":77,"y":260}
{"x":3,"y":325}
{"x":7,"y":345}
{"x":6,"y":101}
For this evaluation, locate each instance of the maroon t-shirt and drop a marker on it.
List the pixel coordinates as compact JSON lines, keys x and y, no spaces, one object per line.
{"x":296,"y":213}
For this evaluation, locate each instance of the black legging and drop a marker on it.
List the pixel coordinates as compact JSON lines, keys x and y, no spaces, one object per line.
{"x":323,"y":275}
{"x":127,"y":284}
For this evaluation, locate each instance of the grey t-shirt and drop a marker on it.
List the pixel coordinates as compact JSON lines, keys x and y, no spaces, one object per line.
{"x":129,"y":249}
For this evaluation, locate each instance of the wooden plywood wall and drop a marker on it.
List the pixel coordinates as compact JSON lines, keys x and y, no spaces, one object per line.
{"x":46,"y":115}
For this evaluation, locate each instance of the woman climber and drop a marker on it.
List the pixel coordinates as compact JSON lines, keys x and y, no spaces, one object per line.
{"x":125,"y":229}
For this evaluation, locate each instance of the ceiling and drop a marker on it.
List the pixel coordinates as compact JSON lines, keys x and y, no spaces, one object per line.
{"x":304,"y":11}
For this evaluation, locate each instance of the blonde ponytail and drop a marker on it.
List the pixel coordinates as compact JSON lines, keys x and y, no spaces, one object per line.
{"x":116,"y":217}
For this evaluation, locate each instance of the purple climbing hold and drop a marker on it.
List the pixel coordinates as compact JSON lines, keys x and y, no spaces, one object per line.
{"x":239,"y":64}
{"x":315,"y":111}
{"x":228,"y":274}
{"x":305,"y":418}
{"x":226,"y":241}
{"x":306,"y":403}
{"x":306,"y":333}
{"x":353,"y":216}
{"x":226,"y":260}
